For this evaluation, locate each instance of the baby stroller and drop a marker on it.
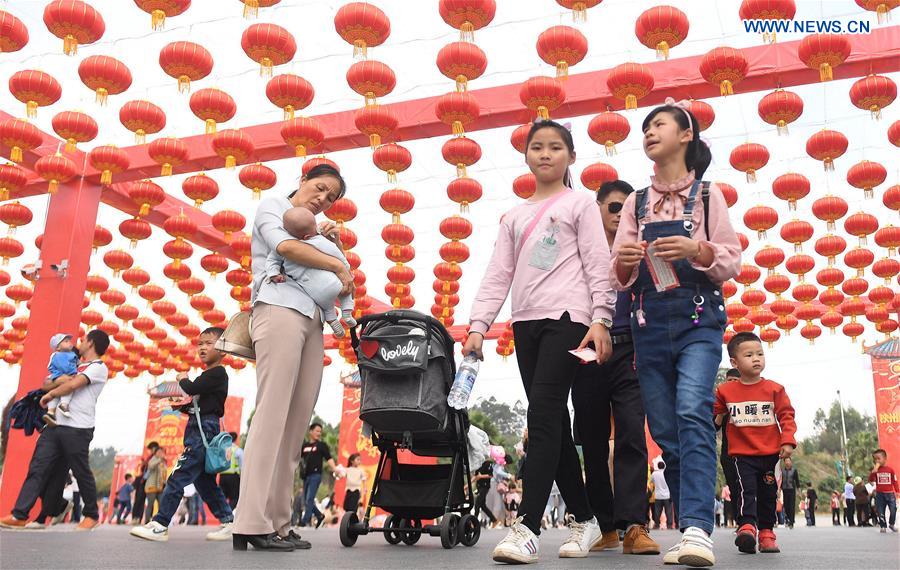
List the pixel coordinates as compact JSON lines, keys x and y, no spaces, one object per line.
{"x":407,"y":367}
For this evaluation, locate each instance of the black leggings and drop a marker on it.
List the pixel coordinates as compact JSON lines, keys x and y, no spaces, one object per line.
{"x":547,"y":371}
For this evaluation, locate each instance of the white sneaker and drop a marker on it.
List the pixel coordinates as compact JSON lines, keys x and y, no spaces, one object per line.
{"x":582,"y":536}
{"x":224,"y":532}
{"x":696,"y":548}
{"x":62,"y":516}
{"x":151,"y":531}
{"x":34,"y":525}
{"x":521,"y":546}
{"x":671,"y":556}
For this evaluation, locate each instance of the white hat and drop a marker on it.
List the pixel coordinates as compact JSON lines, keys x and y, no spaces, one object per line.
{"x":58,"y":338}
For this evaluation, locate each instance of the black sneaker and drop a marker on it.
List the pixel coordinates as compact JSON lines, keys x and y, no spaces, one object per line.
{"x":299,"y":543}
{"x":320,"y":520}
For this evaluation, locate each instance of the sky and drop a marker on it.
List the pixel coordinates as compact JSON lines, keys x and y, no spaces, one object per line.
{"x":811,"y":373}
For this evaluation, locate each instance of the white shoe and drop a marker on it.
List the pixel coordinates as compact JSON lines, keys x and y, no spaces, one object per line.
{"x":62,"y":516}
{"x":582,"y":536}
{"x":224,"y":532}
{"x":34,"y":525}
{"x":521,"y":546}
{"x":696,"y":548}
{"x":151,"y":531}
{"x":671,"y":556}
{"x":64,"y":410}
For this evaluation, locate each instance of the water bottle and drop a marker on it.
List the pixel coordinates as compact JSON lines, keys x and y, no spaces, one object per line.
{"x":464,"y":382}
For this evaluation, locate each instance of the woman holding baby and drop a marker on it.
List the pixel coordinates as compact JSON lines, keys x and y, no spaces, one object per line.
{"x":286,"y":328}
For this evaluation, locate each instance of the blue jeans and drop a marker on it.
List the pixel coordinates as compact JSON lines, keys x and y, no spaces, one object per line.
{"x":676,"y":367}
{"x":888,"y":500}
{"x":191,"y":469}
{"x":310,"y":488}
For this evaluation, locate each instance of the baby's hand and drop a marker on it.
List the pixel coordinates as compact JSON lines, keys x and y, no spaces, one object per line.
{"x":277,"y":278}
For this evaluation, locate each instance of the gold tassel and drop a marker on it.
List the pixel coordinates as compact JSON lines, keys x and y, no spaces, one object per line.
{"x":184,"y":84}
{"x":370,"y":99}
{"x":53,"y":186}
{"x":359,"y":49}
{"x":761,"y":234}
{"x":70,"y":145}
{"x":300,"y":151}
{"x":579,"y":12}
{"x":70,"y":45}
{"x":662,"y":50}
{"x":157,"y":19}
{"x":210,"y":126}
{"x":782,"y":128}
{"x":230,"y":162}
{"x":458,"y":128}
{"x":251,"y":8}
{"x":132,"y":245}
{"x":101,"y":96}
{"x":829,"y":164}
{"x":256,"y":193}
{"x":883,"y":13}
{"x":15,"y":154}
{"x":288,"y":112}
{"x":751,"y":176}
{"x":467,"y":32}
{"x":562,"y":70}
{"x":166,"y":169}
{"x":395,"y":219}
{"x":460,"y":170}
{"x":630,"y":101}
{"x":610,"y":148}
{"x":543,"y":112}
{"x":392,"y":176}
{"x":140,"y":136}
{"x":772,"y":38}
{"x":825,"y":72}
{"x":869,"y":193}
{"x":145,"y":209}
{"x":4,"y":193}
{"x":462,"y":83}
{"x":106,"y":177}
{"x":395,"y":302}
{"x":31,"y":109}
{"x":265,"y":67}
{"x":875,"y":110}
{"x":726,"y":88}
{"x":374,"y":140}
{"x":798,"y":248}
{"x":464,"y":208}
{"x":792,"y":205}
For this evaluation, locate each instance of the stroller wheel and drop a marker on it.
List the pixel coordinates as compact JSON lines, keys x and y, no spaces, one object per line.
{"x":408,"y":537}
{"x":449,"y":530}
{"x":392,"y":536}
{"x":469,"y":530}
{"x":348,"y":534}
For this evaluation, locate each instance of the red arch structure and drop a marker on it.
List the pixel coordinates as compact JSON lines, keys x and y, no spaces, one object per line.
{"x":72,"y":213}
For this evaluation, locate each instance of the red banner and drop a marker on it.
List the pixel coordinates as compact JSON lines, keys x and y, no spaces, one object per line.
{"x":350,"y":441}
{"x":886,"y":377}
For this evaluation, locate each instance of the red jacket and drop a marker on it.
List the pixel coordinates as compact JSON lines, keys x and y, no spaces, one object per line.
{"x":760,"y":417}
{"x":885,"y":480}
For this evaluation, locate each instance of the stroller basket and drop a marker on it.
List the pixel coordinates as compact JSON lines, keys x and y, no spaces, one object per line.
{"x":417,"y":486}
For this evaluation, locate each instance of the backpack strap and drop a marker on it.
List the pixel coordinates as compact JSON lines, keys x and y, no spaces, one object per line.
{"x":640,"y":204}
{"x":704,"y":198}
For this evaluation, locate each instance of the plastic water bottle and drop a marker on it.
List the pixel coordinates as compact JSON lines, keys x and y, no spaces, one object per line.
{"x":464,"y":382}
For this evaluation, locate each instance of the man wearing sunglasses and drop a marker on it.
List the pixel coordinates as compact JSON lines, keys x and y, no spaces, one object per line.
{"x":609,"y":394}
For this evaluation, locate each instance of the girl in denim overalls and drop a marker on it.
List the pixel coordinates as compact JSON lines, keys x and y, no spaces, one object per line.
{"x":678,"y":331}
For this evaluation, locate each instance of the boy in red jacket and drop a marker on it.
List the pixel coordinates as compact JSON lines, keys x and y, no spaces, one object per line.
{"x":886,"y":489}
{"x":760,"y":431}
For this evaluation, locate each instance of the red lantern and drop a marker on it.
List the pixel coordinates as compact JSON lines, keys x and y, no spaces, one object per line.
{"x":15,"y":215}
{"x":168,"y":152}
{"x":888,"y":237}
{"x":228,"y":222}
{"x":105,"y":76}
{"x":881,"y":7}
{"x":579,"y":8}
{"x":804,"y":293}
{"x":832,"y":320}
{"x":800,"y":265}
{"x":392,"y":158}
{"x":563,"y":47}
{"x":894,"y":133}
{"x":192,"y":286}
{"x":824,"y":52}
{"x":186,"y":62}
{"x":769,"y":257}
{"x":519,"y":137}
{"x":781,"y":108}
{"x":609,"y":129}
{"x":20,"y":136}
{"x":10,"y":248}
{"x":180,"y":226}
{"x":342,"y":211}
{"x":797,"y":232}
{"x":13,"y":33}
{"x":457,"y":110}
{"x":56,"y":169}
{"x":464,"y":191}
{"x":233,"y":146}
{"x":135,"y":230}
{"x":886,"y":269}
{"x":704,"y":113}
{"x":118,"y":260}
{"x":102,"y":237}
{"x":662,"y":28}
{"x":91,"y":318}
{"x":725,"y":67}
{"x":371,"y":79}
{"x":35,"y":89}
{"x":146,"y":195}
{"x":830,"y":246}
{"x":866,"y":175}
{"x":12,"y":179}
{"x":108,"y":160}
{"x":142,"y":118}
{"x":767,"y":10}
{"x":595,"y":175}
{"x":160,"y":9}
{"x":748,"y":158}
{"x":303,"y":134}
{"x":74,"y":128}
{"x":268,"y":45}
{"x":749,"y":274}
{"x":873,"y":93}
{"x":177,"y":271}
{"x":542,"y":95}
{"x":135,"y":277}
{"x":362,"y":25}
{"x":454,"y":252}
{"x":290,"y":93}
{"x":311,"y":163}
{"x":200,"y":188}
{"x":891,"y":197}
{"x":855,"y":287}
{"x":257,"y":178}
{"x":214,"y":264}
{"x":760,"y":219}
{"x":376,"y":122}
{"x":212,"y":106}
{"x":791,"y":187}
{"x":859,"y":258}
{"x":630,"y":82}
{"x":462,"y":62}
{"x":524,"y":186}
{"x":396,"y":202}
{"x":467,"y":15}
{"x":461,"y":152}
{"x":827,"y":145}
{"x":400,"y":254}
{"x":19,"y":293}
{"x":455,"y":228}
{"x":830,"y":208}
{"x":861,"y":225}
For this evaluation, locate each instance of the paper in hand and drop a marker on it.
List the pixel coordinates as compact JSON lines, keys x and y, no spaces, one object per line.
{"x":585,"y":354}
{"x":661,"y":271}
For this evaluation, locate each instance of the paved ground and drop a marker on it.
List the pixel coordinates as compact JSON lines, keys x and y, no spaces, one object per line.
{"x":111,"y":547}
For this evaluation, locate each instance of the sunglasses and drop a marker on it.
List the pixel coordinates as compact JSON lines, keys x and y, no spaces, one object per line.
{"x":614,"y":207}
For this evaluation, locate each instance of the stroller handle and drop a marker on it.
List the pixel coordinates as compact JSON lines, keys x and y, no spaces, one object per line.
{"x":398,"y":315}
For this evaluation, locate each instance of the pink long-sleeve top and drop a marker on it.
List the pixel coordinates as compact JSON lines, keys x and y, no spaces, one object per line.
{"x":665,"y":202}
{"x":578,"y":281}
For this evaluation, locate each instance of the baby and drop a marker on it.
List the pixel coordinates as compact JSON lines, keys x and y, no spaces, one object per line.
{"x":63,"y":362}
{"x":323,"y":286}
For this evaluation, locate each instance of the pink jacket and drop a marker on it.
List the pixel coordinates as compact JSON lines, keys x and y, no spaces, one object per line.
{"x":578,"y":281}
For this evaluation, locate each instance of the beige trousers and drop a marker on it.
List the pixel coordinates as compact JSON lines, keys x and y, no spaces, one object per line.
{"x":289,"y":353}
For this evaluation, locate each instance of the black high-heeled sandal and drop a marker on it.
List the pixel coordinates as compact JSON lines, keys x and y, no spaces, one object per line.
{"x":261,"y":542}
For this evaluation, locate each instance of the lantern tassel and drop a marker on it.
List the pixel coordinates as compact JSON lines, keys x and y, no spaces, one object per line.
{"x":782,"y":128}
{"x":562,"y":70}
{"x":265,"y":67}
{"x":395,"y":219}
{"x":157,"y":19}
{"x":360,"y":50}
{"x":726,"y":88}
{"x":31,"y":109}
{"x":579,"y":12}
{"x":251,"y":8}
{"x":166,"y":169}
{"x":875,"y":111}
{"x":464,"y":208}
{"x":374,"y":140}
{"x":300,"y":151}
{"x":630,"y":101}
{"x":462,"y":83}
{"x":392,"y":176}
{"x":370,"y":99}
{"x":70,"y":45}
{"x":869,"y":193}
{"x":543,"y":112}
{"x":133,"y":244}
{"x":140,"y":136}
{"x":751,"y":176}
{"x":467,"y":32}
{"x":610,"y":148}
{"x":825,"y":72}
{"x":15,"y":154}
{"x":662,"y":50}
{"x":145,"y":209}
{"x":792,"y":205}
{"x":883,"y":13}
{"x":70,"y":145}
{"x":101,"y":95}
{"x":4,"y":193}
{"x":184,"y":84}
{"x":288,"y":112}
{"x":395,"y":302}
{"x":256,"y":193}
{"x":106,"y":177}
{"x":828,"y":164}
{"x":458,"y":128}
{"x":761,"y":234}
{"x":460,"y":170}
{"x":230,"y":162}
{"x":53,"y":186}
{"x":210,"y":126}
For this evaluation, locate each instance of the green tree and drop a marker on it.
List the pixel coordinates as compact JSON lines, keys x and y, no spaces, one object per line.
{"x":859,"y":450}
{"x":828,"y":430}
{"x":102,"y":462}
{"x":508,"y":420}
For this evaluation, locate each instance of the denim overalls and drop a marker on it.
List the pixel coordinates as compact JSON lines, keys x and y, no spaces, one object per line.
{"x":677,"y":355}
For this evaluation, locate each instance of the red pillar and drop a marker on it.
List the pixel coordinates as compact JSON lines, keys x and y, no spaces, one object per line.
{"x":885,"y":359}
{"x":55,"y":307}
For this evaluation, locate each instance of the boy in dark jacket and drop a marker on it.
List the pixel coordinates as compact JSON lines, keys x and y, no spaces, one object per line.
{"x":211,"y":389}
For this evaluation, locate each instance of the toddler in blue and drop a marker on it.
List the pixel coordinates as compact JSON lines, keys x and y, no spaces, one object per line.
{"x":63,"y":362}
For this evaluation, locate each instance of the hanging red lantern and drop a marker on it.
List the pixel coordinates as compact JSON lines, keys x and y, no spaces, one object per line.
{"x":894,"y":133}
{"x":729,"y":289}
{"x":562,"y":47}
{"x":212,"y":106}
{"x":20,"y":136}
{"x":228,"y":222}
{"x":630,"y":82}
{"x":866,"y":175}
{"x":467,"y":15}
{"x":703,"y":112}
{"x":362,"y":25}
{"x":761,"y":218}
{"x":824,"y":52}
{"x":240,"y":245}
{"x":12,"y":179}
{"x":524,"y":186}
{"x":805,"y":293}
{"x":10,"y":248}
{"x":461,"y":152}
{"x":168,"y":152}
{"x":780,"y":108}
{"x":146,"y":195}
{"x":457,"y":110}
{"x":832,"y":320}
{"x":302,"y":133}
{"x":342,"y":211}
{"x":289,"y":92}
{"x":186,"y":62}
{"x":135,"y":230}
{"x":873,"y":93}
{"x":15,"y":214}
{"x":891,"y":197}
{"x":881,"y":296}
{"x":811,"y":332}
{"x":830,"y":246}
{"x":791,"y":187}
{"x":886,"y":268}
{"x":376,"y":122}
{"x":579,"y":8}
{"x":855,"y":287}
{"x":108,"y":160}
{"x":74,"y":127}
{"x":725,"y":67}
{"x":797,"y":232}
{"x":748,"y":158}
{"x":142,"y":118}
{"x":859,"y":258}
{"x":400,"y":254}
{"x":748,"y":275}
{"x":455,"y":228}
{"x":35,"y":89}
{"x":454,"y":252}
{"x":753,"y":297}
{"x":464,"y":191}
{"x":233,"y":146}
{"x":180,"y":226}
{"x":102,"y":237}
{"x":827,"y":145}
{"x":160,"y":9}
{"x":396,"y":202}
{"x":888,"y":237}
{"x":200,"y":188}
{"x":542,"y":95}
{"x":311,"y":163}
{"x":257,"y":177}
{"x":662,"y":28}
{"x":767,"y":10}
{"x":19,"y":293}
{"x":769,"y":257}
{"x":881,"y":7}
{"x":13,"y":33}
{"x":105,"y":76}
{"x":177,"y":271}
{"x":736,"y":311}
{"x":56,"y":169}
{"x":214,"y":264}
{"x":609,"y":129}
{"x":462,"y":62}
{"x":519,"y":137}
{"x":800,"y":265}
{"x":136,"y":277}
{"x":268,"y":45}
{"x":861,"y":225}
{"x":595,"y":175}
{"x":829,"y":209}
{"x":371,"y":79}
{"x":392,"y":158}
{"x":192,"y":286}
{"x":117,"y":260}
{"x":91,"y":318}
